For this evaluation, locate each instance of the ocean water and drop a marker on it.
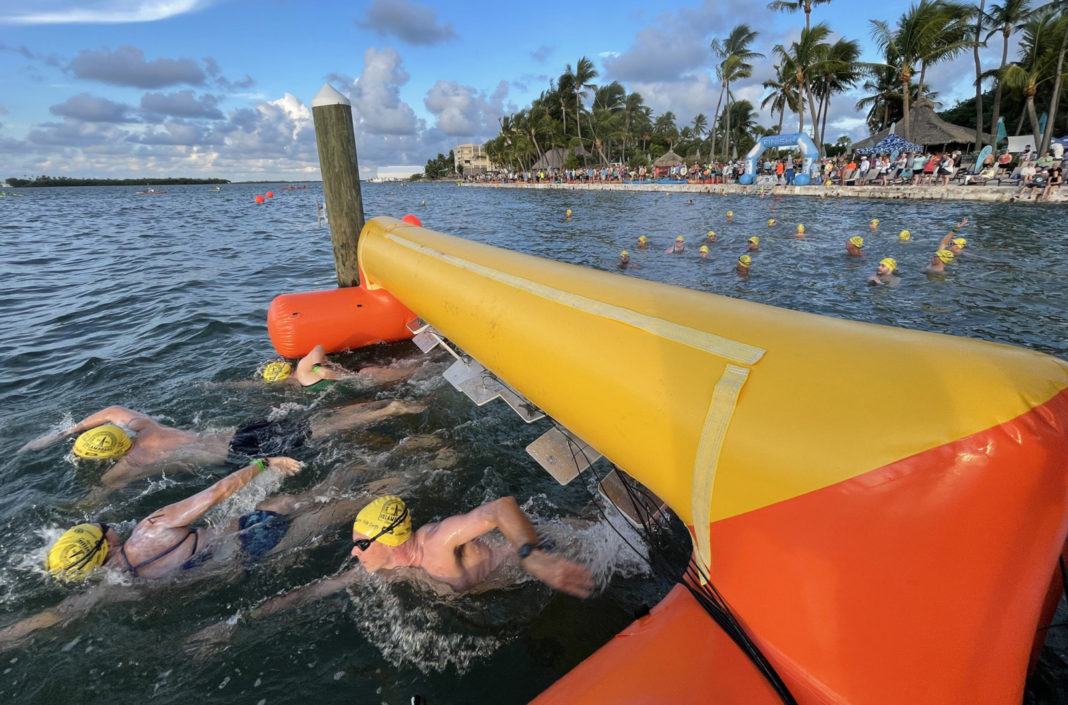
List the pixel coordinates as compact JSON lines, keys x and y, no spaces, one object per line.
{"x":158,"y":303}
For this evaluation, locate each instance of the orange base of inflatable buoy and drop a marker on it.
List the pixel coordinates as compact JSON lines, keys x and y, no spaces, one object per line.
{"x":338,"y":319}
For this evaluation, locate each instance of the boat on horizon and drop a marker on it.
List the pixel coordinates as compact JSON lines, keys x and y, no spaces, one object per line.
{"x":150,"y":191}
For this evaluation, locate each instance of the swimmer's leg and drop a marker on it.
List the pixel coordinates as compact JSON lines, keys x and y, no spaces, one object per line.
{"x":357,"y":415}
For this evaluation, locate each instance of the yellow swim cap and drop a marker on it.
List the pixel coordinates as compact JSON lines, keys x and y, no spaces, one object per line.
{"x":730,"y":214}
{"x":800,"y":228}
{"x":569,"y":211}
{"x":771,"y":221}
{"x":874,"y":221}
{"x":642,"y":238}
{"x":745,"y":260}
{"x":959,"y":241}
{"x":904,"y":235}
{"x":755,"y":240}
{"x":889,"y":262}
{"x":624,"y":253}
{"x":77,"y":553}
{"x":710,"y":233}
{"x":857,"y":240}
{"x":704,"y":248}
{"x":680,"y":238}
{"x":381,"y":514}
{"x":276,"y":371}
{"x":107,"y":441}
{"x":945,"y":255}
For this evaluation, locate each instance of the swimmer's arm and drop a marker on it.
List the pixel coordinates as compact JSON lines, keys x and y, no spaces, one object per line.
{"x":188,"y":510}
{"x":73,"y":607}
{"x":112,"y":414}
{"x":505,"y":515}
{"x":309,"y":593}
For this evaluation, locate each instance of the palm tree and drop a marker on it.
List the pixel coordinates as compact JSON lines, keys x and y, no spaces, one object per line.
{"x":664,"y":128}
{"x":783,"y":93}
{"x":945,"y":33}
{"x":806,"y":58}
{"x":734,"y":54}
{"x":980,"y":16}
{"x":700,"y":128}
{"x":795,"y":5}
{"x":581,"y":81}
{"x":1005,"y":17}
{"x":839,"y":70}
{"x":608,"y":103}
{"x":1058,"y":74}
{"x":1037,"y":59}
{"x":637,"y":120}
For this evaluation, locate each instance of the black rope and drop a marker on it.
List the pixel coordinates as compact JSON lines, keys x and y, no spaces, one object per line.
{"x":654,"y":530}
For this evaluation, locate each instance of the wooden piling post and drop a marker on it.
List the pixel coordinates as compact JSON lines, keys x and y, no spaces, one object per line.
{"x":336,"y":142}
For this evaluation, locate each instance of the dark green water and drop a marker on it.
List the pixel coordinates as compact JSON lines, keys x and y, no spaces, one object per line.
{"x":158,"y":303}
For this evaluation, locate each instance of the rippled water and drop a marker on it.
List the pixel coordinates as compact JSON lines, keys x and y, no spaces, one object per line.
{"x":159,"y":303}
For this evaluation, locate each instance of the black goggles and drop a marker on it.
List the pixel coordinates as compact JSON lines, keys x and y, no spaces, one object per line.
{"x":364,"y":544}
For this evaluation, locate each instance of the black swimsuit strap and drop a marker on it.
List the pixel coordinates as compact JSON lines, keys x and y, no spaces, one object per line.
{"x":134,"y":568}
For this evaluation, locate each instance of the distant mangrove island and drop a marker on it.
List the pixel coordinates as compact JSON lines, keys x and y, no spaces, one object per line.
{"x":68,"y":181}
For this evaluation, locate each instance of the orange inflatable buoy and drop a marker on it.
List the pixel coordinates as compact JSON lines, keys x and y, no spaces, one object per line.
{"x":270,"y":194}
{"x":339,"y":319}
{"x":259,"y":198}
{"x":410,"y":219}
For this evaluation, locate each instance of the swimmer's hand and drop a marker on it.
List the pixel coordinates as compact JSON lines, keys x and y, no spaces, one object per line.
{"x":43,"y":441}
{"x":207,"y":641}
{"x":559,"y":573}
{"x":287,"y":466}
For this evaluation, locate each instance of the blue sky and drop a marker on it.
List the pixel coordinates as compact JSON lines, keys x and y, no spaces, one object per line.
{"x":223,"y":88}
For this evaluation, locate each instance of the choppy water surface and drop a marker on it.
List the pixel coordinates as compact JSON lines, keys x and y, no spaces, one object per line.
{"x":159,"y":303}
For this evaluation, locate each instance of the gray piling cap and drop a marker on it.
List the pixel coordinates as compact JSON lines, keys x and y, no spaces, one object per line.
{"x":328,"y":96}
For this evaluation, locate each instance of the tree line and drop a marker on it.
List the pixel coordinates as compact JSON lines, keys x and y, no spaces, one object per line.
{"x":604,"y":124}
{"x":44,"y":180}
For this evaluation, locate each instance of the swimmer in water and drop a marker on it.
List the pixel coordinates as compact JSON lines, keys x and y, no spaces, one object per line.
{"x":567,"y":215}
{"x":873,"y":224}
{"x":643,"y":242}
{"x":678,"y":246}
{"x":753,"y":244}
{"x":703,"y":252}
{"x":904,"y":236}
{"x":938,"y":262}
{"x":314,"y":372}
{"x":854,"y":245}
{"x":800,"y":231}
{"x":456,"y":554}
{"x":710,"y":237}
{"x":742,"y":268}
{"x":138,"y":446}
{"x":952,"y":240}
{"x":625,"y":261}
{"x":772,"y":222}
{"x":730,"y":216}
{"x":885,"y":273}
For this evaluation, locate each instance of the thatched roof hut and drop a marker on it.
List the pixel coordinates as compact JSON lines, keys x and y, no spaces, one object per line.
{"x":669,"y":159}
{"x":928,"y":129}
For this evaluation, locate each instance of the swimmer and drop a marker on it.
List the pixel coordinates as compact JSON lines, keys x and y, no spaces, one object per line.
{"x":624,"y":261}
{"x":567,"y":215}
{"x":904,"y":236}
{"x":772,"y":222}
{"x":314,"y":372}
{"x":455,"y":554}
{"x":703,"y":252}
{"x":800,"y":230}
{"x":643,"y":242}
{"x":885,"y":273}
{"x":141,"y":447}
{"x":689,"y":201}
{"x":679,"y":246}
{"x":853,"y":246}
{"x":160,"y":544}
{"x":730,"y":216}
{"x":938,"y":262}
{"x":952,"y":240}
{"x":742,"y":268}
{"x":754,"y":244}
{"x":873,"y":224}
{"x":710,"y":236}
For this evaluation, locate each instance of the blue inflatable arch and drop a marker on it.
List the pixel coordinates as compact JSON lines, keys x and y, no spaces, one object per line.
{"x":800,"y":140}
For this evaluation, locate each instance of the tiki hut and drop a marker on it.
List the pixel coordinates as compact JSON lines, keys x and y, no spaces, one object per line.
{"x":665,"y":162}
{"x":929,"y":130}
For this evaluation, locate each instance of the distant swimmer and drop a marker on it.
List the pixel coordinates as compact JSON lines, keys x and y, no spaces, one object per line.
{"x":772,"y":222}
{"x":678,"y":246}
{"x":625,"y":261}
{"x":139,"y":446}
{"x":854,"y":245}
{"x":689,"y":201}
{"x":938,"y":262}
{"x":643,"y":242}
{"x":753,"y":244}
{"x":904,"y":236}
{"x":314,"y":372}
{"x":710,"y":237}
{"x":885,"y":273}
{"x":703,"y":252}
{"x":730,"y":216}
{"x":952,"y":240}
{"x":800,"y":230}
{"x":567,"y":214}
{"x":873,"y":224}
{"x":742,"y":268}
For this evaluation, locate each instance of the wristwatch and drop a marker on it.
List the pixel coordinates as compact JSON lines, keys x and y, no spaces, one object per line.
{"x":525,"y":550}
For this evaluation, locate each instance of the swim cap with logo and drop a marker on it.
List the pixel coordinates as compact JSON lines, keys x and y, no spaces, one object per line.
{"x":642,"y":238}
{"x":711,"y":234}
{"x":771,"y":221}
{"x":959,"y":241}
{"x":624,"y":253}
{"x":745,"y":260}
{"x":889,"y":262}
{"x":857,"y":240}
{"x":904,"y":235}
{"x":77,"y":553}
{"x":276,"y":371}
{"x":107,"y":441}
{"x":755,"y":240}
{"x":379,"y":515}
{"x":704,"y":248}
{"x":945,"y":255}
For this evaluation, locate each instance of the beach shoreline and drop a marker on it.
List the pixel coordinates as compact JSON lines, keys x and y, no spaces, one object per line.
{"x":955,"y":192}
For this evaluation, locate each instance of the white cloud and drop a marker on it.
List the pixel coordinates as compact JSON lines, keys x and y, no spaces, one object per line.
{"x":98,"y":11}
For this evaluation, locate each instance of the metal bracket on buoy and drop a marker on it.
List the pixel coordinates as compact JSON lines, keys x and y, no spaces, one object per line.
{"x":562,"y":454}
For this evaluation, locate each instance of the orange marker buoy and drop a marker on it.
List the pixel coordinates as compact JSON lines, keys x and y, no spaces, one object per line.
{"x":412,"y":220}
{"x":259,"y":198}
{"x":270,"y":194}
